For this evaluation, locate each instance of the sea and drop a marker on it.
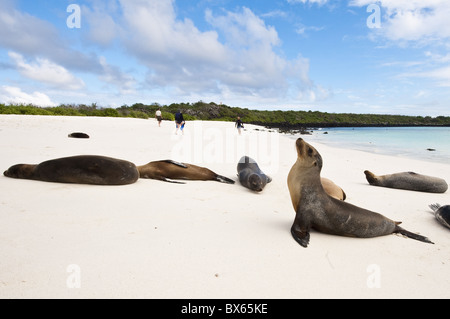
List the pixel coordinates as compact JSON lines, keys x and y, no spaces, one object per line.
{"x":423,"y":143}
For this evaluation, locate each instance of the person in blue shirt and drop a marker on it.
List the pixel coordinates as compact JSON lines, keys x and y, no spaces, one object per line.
{"x":179,"y":121}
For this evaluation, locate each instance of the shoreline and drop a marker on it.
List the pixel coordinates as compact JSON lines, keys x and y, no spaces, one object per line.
{"x":373,"y":144}
{"x":203,"y":239}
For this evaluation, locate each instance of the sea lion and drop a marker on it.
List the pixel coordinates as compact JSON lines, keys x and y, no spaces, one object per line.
{"x":169,"y":171}
{"x":332,"y":189}
{"x":442,"y":214}
{"x":408,"y":181}
{"x":85,"y":169}
{"x":316,"y":209}
{"x":250,"y":175}
{"x":79,"y":135}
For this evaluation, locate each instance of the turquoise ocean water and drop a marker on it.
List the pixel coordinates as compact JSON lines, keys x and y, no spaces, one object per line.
{"x":410,"y":142}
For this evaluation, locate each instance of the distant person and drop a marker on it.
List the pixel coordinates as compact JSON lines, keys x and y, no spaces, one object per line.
{"x":179,"y":121}
{"x":158,"y":116}
{"x":239,"y":125}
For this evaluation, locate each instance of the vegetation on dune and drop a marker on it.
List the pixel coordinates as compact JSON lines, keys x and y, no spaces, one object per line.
{"x":215,"y":112}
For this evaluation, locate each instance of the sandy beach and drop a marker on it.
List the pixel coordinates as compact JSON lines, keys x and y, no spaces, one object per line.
{"x":154,"y":239}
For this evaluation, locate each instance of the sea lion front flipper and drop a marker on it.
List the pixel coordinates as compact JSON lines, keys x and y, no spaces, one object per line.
{"x":300,"y":236}
{"x":269,"y":179}
{"x":300,"y":231}
{"x":344,"y":195}
{"x":176,"y":163}
{"x":172,"y":181}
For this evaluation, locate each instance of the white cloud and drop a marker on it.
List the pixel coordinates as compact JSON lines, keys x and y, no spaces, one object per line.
{"x":319,"y":2}
{"x":237,"y":56}
{"x":100,"y":22}
{"x":14,"y":95}
{"x":302,"y":29}
{"x":54,"y":58}
{"x":113,"y":75}
{"x":440,"y":75}
{"x":45,"y":71}
{"x":422,"y":22}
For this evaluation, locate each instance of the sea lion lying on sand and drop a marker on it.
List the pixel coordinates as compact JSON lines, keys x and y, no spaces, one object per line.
{"x":85,"y":169}
{"x":250,"y":175}
{"x":169,"y":171}
{"x":316,"y":209}
{"x":408,"y":181}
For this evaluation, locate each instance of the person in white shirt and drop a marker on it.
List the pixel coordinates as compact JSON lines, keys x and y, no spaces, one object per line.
{"x":158,"y":116}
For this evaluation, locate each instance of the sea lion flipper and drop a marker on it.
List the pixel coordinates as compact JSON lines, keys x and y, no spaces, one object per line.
{"x":344,"y":195}
{"x":371,"y":177}
{"x":409,"y":234}
{"x":224,"y":179}
{"x":300,"y":237}
{"x":434,"y":207}
{"x":300,"y":229}
{"x":269,"y":179}
{"x":172,"y":181}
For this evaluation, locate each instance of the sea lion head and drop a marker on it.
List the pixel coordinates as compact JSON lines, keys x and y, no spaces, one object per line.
{"x":308,"y":156}
{"x":256,"y":183}
{"x":20,"y":171}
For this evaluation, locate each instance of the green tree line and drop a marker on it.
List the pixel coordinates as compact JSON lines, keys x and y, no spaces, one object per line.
{"x":218,"y":112}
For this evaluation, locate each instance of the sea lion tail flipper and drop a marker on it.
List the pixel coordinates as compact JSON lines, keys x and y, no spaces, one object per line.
{"x":371,"y":178}
{"x":409,"y":234}
{"x":224,"y":179}
{"x":176,"y":163}
{"x":434,"y":207}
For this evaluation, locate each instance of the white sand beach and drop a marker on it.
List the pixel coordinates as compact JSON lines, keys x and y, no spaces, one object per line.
{"x":207,"y":239}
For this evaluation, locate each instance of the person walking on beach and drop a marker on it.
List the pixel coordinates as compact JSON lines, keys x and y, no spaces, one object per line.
{"x":158,"y":116}
{"x":239,"y":125}
{"x":179,"y":121}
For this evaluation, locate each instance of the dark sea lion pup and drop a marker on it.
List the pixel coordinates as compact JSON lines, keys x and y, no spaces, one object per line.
{"x":86,"y":169}
{"x":169,"y":171}
{"x":408,"y":181}
{"x":318,"y":210}
{"x":442,"y":214}
{"x":250,"y":175}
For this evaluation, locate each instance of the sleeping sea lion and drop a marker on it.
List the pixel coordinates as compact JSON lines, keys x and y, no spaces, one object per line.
{"x":85,"y":169}
{"x":79,"y":135}
{"x":408,"y":181}
{"x":316,"y":209}
{"x":169,"y":171}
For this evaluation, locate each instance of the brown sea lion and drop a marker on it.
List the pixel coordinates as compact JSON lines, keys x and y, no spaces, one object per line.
{"x":85,"y":169}
{"x":318,"y":210}
{"x":332,"y":189}
{"x":408,"y":181}
{"x":169,"y":171}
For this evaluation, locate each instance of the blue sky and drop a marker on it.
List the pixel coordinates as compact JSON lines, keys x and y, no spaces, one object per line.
{"x":285,"y":54}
